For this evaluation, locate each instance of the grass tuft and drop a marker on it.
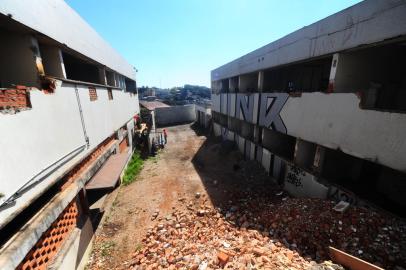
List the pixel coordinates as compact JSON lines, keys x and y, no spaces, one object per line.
{"x":133,"y":169}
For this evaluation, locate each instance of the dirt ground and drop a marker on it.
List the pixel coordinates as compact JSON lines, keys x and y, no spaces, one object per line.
{"x":162,"y":181}
{"x":197,"y":180}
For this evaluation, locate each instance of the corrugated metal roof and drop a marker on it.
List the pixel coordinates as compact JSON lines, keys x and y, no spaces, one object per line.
{"x":152,"y":105}
{"x":57,"y":20}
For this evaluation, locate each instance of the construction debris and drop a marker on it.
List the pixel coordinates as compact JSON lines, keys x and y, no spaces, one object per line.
{"x":258,"y":231}
{"x":204,"y":239}
{"x":341,"y":206}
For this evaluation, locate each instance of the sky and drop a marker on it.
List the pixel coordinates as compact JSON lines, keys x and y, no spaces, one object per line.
{"x":177,"y":42}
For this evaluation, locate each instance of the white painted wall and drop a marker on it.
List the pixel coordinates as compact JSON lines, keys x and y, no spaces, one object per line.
{"x":266,"y":159}
{"x":216,"y":129}
{"x":241,"y":144}
{"x":33,"y":139}
{"x":223,"y":105}
{"x":205,"y":113}
{"x":306,"y":185}
{"x":104,"y":116}
{"x":175,"y":114}
{"x":215,"y":98}
{"x":336,"y":121}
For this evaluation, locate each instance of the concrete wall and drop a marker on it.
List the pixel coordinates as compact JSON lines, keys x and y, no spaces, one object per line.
{"x":175,"y":114}
{"x":216,"y":129}
{"x":320,"y":118}
{"x":77,"y":34}
{"x":203,"y":115}
{"x":302,"y":184}
{"x":367,"y":22}
{"x":74,"y":253}
{"x":366,"y":134}
{"x":34,"y":139}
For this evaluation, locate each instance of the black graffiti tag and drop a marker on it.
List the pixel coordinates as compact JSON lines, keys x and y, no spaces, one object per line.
{"x":294,"y":176}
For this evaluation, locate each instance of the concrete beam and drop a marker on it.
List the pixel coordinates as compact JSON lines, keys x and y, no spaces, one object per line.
{"x":365,"y":23}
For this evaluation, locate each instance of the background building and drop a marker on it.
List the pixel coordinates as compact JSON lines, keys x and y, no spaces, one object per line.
{"x":323,"y":108}
{"x":67,"y":101}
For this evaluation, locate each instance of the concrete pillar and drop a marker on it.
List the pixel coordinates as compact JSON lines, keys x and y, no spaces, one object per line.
{"x":102,"y":75}
{"x":37,"y":56}
{"x":333,"y":71}
{"x":260,"y":81}
{"x":319,"y":158}
{"x":115,"y":77}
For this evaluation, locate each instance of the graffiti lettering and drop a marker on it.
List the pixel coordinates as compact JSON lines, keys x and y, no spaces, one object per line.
{"x":269,"y":111}
{"x":294,"y":176}
{"x":245,"y":107}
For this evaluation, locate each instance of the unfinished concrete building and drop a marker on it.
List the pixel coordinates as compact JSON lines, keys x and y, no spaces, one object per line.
{"x":67,"y":103}
{"x":323,"y":109}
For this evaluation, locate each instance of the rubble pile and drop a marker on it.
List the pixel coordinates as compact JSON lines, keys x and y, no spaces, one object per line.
{"x":268,"y":232}
{"x":204,"y":239}
{"x":313,"y":225}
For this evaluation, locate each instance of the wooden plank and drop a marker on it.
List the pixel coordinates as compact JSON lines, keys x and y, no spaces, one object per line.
{"x":350,"y":261}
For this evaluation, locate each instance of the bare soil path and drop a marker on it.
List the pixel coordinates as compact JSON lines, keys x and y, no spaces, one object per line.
{"x":162,"y":181}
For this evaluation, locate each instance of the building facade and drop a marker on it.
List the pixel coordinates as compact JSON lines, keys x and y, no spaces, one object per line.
{"x":323,"y":109}
{"x":67,"y":103}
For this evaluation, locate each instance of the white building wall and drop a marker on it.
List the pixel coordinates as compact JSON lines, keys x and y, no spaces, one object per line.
{"x":302,"y":184}
{"x":367,"y":22}
{"x":216,"y":129}
{"x":215,"y":98}
{"x":336,"y":121}
{"x":32,"y":140}
{"x":175,"y":114}
{"x":321,"y":118}
{"x":104,"y":116}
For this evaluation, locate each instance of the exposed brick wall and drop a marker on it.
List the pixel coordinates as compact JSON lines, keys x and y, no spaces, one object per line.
{"x":92,"y":93}
{"x":51,"y":241}
{"x":14,"y":100}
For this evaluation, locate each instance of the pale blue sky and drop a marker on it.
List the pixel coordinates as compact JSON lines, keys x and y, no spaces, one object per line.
{"x":177,"y":42}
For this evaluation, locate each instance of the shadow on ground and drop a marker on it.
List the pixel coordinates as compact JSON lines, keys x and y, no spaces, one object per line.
{"x":248,"y":198}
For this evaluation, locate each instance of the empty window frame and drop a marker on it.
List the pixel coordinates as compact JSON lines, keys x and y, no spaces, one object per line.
{"x":80,"y":70}
{"x":377,"y":73}
{"x":233,"y":84}
{"x":247,"y":130}
{"x":110,"y":78}
{"x":130,"y":85}
{"x":109,"y":93}
{"x":92,"y":94}
{"x":234,"y":124}
{"x":224,"y":86}
{"x":368,"y":180}
{"x":248,"y":83}
{"x":280,"y":144}
{"x":311,"y":76}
